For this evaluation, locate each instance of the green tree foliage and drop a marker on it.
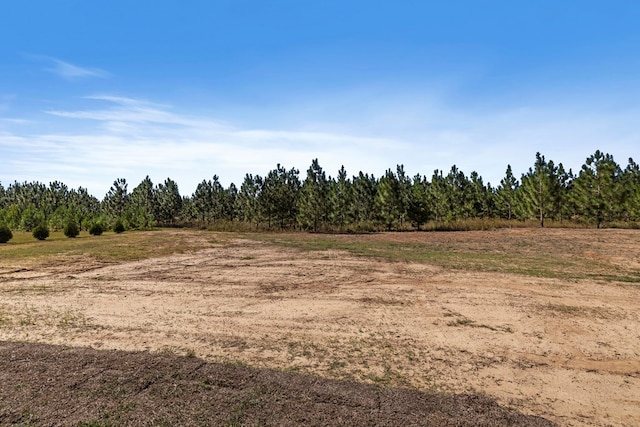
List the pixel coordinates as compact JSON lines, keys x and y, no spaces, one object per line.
{"x":596,"y":190}
{"x":71,"y":229}
{"x":278,"y":196}
{"x":246,"y":204}
{"x":5,"y":234}
{"x":340,"y":198}
{"x":118,"y":226}
{"x":31,"y":218}
{"x":41,"y":231}
{"x":630,"y":191}
{"x":539,"y":190}
{"x":116,"y":200}
{"x":388,"y":204}
{"x":364,"y":190}
{"x":505,"y":196}
{"x":142,"y":203}
{"x":439,"y":194}
{"x":602,"y":193}
{"x":313,"y":204}
{"x":96,"y":229}
{"x":419,"y":208}
{"x":169,"y":203}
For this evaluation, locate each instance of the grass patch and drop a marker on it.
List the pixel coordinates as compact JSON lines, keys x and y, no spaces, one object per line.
{"x":109,"y":247}
{"x":528,"y":257}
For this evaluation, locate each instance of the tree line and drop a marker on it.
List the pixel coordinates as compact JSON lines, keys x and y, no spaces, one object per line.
{"x":601,"y":193}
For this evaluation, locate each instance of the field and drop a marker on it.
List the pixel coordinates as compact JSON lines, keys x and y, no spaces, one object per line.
{"x":488,"y":324}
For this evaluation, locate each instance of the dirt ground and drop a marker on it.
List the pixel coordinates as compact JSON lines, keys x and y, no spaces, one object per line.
{"x":86,"y":387}
{"x":567,"y":350}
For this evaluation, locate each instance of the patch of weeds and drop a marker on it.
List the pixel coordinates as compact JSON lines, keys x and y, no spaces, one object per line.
{"x":71,"y":319}
{"x":27,"y":319}
{"x":168,"y":349}
{"x":337,"y":364}
{"x":4,"y":320}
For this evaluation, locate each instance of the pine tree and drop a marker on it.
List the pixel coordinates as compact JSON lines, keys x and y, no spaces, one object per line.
{"x":419,"y":211}
{"x":506,"y":194}
{"x":246,"y":203}
{"x":439,"y":197}
{"x":536,"y":194}
{"x":142,"y":206}
{"x":364,"y":189}
{"x":630,"y":184}
{"x":116,"y":199}
{"x":313,"y":204}
{"x":387,"y":202}
{"x":169,"y":202}
{"x":596,"y":192}
{"x":341,"y":197}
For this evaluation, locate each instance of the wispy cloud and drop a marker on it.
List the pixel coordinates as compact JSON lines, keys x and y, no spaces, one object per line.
{"x":135,"y":138}
{"x":68,"y":70}
{"x":132,"y":138}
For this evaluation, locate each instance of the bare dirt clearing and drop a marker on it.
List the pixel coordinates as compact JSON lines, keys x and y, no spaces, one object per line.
{"x":457,"y":312}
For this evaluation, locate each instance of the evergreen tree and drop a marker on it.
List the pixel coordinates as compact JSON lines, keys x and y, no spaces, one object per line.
{"x":563,"y":206}
{"x":387,"y":203}
{"x":202,"y":200}
{"x":116,"y":199}
{"x":169,"y":202}
{"x":364,"y":189}
{"x":5,"y":233}
{"x":341,"y":197}
{"x":142,"y":205}
{"x":478,"y":197}
{"x":439,"y":196}
{"x":403,"y":196}
{"x":41,"y":231}
{"x":596,"y":192}
{"x":537,"y":192}
{"x":278,"y":197}
{"x":506,"y":194}
{"x":418,"y":211}
{"x":630,"y":184}
{"x":31,"y":218}
{"x":246,"y":202}
{"x":313,"y":204}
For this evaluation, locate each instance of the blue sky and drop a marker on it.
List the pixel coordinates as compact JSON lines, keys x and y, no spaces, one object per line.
{"x":94,"y":91}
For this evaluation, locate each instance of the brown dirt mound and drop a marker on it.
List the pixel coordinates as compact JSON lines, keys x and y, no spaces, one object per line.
{"x":53,"y":385}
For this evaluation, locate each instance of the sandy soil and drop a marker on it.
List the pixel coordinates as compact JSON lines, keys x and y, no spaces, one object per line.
{"x":565,"y":350}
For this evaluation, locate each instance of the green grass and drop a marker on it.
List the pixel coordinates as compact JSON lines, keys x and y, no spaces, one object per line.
{"x":559,"y":259}
{"x":549,"y":254}
{"x":109,"y":247}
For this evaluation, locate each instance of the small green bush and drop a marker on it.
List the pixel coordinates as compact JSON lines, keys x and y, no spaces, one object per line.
{"x":71,"y":229}
{"x":96,"y":230}
{"x":5,"y":234}
{"x":41,"y":232}
{"x":118,"y":227}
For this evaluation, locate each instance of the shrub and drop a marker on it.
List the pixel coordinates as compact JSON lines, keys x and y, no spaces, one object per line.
{"x":96,"y":230}
{"x":118,"y":227}
{"x":71,"y":229}
{"x":5,"y":234}
{"x":41,"y":232}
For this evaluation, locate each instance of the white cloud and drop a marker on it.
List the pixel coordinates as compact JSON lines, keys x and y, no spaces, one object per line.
{"x":68,"y":70}
{"x":136,"y":138}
